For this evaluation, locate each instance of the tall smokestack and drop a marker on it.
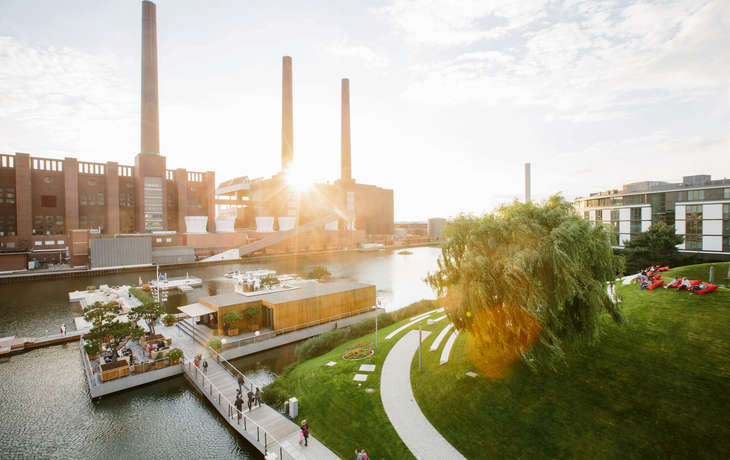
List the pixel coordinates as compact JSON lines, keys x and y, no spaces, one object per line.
{"x":150,"y":93}
{"x":528,"y":191}
{"x":345,"y":162}
{"x":287,"y":118}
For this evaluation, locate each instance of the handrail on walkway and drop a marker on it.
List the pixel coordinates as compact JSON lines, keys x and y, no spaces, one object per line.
{"x":318,"y":322}
{"x":268,"y":439}
{"x":220,"y":358}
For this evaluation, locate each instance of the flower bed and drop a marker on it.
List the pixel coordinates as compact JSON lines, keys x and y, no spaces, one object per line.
{"x":359,"y":345}
{"x":358,"y":353}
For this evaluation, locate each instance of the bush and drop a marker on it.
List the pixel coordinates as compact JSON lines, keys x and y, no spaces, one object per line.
{"x":321,"y":344}
{"x":274,"y":394}
{"x":215,"y":344}
{"x":174,"y":354}
{"x":91,"y":348}
{"x":231,"y":317}
{"x":141,"y":295}
{"x":169,"y":318}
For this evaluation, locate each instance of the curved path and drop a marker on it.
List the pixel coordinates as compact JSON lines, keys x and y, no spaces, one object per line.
{"x":406,"y":417}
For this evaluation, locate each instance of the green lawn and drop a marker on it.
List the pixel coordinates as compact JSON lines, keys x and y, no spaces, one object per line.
{"x":656,"y":388}
{"x":659,"y":387}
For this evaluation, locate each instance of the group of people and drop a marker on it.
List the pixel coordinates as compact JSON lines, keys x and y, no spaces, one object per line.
{"x":253,"y":398}
{"x":304,"y":433}
{"x":200,"y":362}
{"x":646,"y":276}
{"x":680,"y":283}
{"x":361,"y":455}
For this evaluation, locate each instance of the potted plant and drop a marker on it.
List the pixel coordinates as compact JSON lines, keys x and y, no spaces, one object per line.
{"x":91,"y":349}
{"x":230,"y":319}
{"x":169,"y":319}
{"x":160,"y":360}
{"x":252,"y":313}
{"x":174,"y":356}
{"x":215,"y":345}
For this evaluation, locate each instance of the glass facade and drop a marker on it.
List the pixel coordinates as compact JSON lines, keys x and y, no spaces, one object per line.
{"x":152,"y":204}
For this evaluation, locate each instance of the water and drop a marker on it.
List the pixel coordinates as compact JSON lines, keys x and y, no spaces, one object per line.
{"x":45,"y":404}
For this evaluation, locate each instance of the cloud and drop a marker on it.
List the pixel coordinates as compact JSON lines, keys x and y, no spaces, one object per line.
{"x":61,"y":93}
{"x":594,"y":61}
{"x":359,"y":52}
{"x":457,"y":22}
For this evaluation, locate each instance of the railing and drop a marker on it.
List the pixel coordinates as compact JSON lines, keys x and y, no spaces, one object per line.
{"x":230,"y":366}
{"x":202,"y":380}
{"x":145,"y":366}
{"x":249,"y":340}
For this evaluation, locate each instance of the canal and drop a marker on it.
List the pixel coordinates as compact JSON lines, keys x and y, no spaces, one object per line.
{"x":46,"y":409}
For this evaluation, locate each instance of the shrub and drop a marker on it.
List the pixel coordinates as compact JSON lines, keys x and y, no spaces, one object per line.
{"x":215,"y":344}
{"x":169,"y":318}
{"x":274,"y":394}
{"x":321,"y":344}
{"x":141,"y":295}
{"x":231,"y":317}
{"x":174,"y":354}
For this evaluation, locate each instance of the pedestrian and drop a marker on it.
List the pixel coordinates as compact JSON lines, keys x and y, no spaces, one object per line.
{"x":257,"y":397}
{"x":250,"y":397}
{"x":197,"y":363}
{"x":205,"y":366}
{"x":240,"y":382}
{"x":301,"y":437}
{"x":239,"y":406}
{"x":364,"y":455}
{"x":63,"y":329}
{"x":358,"y":455}
{"x":305,"y":431}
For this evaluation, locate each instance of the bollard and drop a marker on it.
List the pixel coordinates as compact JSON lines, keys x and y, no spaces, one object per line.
{"x":258,"y":435}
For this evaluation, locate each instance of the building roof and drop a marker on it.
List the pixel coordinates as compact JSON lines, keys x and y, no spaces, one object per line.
{"x":306,"y":290}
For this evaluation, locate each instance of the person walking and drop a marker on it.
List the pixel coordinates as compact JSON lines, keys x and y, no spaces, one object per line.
{"x":358,"y":455}
{"x":257,"y":397}
{"x":249,"y":394}
{"x":205,"y":366}
{"x":63,"y":329}
{"x":239,"y":406}
{"x":364,"y":455}
{"x":301,"y":437}
{"x":240,"y":382}
{"x":305,"y":432}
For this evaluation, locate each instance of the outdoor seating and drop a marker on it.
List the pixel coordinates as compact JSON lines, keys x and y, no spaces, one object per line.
{"x":691,"y":283}
{"x":655,"y":285}
{"x":710,"y":288}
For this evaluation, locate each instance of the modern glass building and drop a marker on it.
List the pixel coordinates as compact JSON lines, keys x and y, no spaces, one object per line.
{"x":698,"y":208}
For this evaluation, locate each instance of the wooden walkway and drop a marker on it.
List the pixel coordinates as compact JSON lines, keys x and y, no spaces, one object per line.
{"x":14,"y":344}
{"x":264,"y":427}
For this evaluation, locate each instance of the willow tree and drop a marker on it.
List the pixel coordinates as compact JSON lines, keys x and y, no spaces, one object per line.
{"x":526,"y":281}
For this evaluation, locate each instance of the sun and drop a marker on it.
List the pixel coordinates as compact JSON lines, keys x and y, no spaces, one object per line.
{"x":297,"y":179}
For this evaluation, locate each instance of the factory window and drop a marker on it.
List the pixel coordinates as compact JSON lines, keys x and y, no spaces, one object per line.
{"x":693,"y":227}
{"x":635,"y":221}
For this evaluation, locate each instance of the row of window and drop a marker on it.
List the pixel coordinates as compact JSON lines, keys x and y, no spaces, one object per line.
{"x":672,"y":197}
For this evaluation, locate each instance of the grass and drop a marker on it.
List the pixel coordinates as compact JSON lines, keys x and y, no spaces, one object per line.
{"x":340,"y":414}
{"x":656,"y":387}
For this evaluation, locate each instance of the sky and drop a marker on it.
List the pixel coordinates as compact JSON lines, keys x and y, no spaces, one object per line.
{"x":449,"y":98}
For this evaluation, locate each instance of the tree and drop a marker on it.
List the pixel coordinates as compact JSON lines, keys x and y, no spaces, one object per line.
{"x":149,"y":312}
{"x":656,"y":246}
{"x":525,"y":281}
{"x":99,"y":313}
{"x":318,"y":272}
{"x":117,"y":333}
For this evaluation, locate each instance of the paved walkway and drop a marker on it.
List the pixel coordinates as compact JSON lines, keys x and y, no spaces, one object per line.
{"x":400,"y":404}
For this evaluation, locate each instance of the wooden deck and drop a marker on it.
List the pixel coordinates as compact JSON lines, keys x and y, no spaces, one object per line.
{"x":17,"y":344}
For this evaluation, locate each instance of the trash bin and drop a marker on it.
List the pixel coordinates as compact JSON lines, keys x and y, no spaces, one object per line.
{"x":293,"y":407}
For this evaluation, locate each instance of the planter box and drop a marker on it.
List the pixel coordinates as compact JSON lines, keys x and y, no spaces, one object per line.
{"x":143,"y":367}
{"x":111,"y":371}
{"x":232,"y":331}
{"x":253,"y":327}
{"x":160,"y":364}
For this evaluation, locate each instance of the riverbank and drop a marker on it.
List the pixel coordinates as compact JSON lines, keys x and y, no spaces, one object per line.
{"x":64,"y":271}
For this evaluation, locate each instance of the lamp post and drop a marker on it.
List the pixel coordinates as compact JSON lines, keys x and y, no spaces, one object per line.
{"x":376,"y":324}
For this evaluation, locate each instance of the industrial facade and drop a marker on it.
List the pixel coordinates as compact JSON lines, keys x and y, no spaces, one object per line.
{"x":698,"y":208}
